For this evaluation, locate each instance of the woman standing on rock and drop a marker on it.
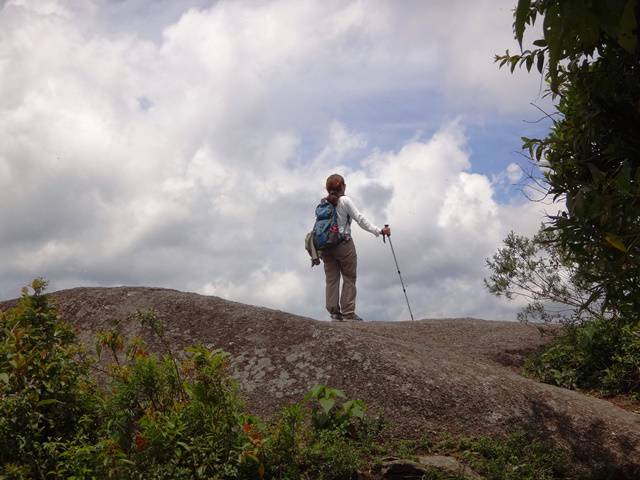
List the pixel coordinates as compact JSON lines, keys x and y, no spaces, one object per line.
{"x":342,"y":260}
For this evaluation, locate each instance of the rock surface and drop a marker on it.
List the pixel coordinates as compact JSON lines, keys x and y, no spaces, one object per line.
{"x":449,"y":464}
{"x":403,"y":470}
{"x":428,"y":376}
{"x":399,"y":469}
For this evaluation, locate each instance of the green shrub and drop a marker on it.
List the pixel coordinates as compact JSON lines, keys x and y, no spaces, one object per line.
{"x":156,"y":416}
{"x":283,"y":447}
{"x":325,"y":436}
{"x":331,"y":456}
{"x":597,"y":347}
{"x":519,"y":457}
{"x":46,"y":396}
{"x":330,"y":410}
{"x":600,"y":354}
{"x":156,"y":424}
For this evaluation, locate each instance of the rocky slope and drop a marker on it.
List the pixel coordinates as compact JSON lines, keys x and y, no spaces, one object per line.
{"x":428,"y":376}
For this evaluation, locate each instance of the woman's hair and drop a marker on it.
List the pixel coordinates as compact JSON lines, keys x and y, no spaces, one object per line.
{"x":334,"y":185}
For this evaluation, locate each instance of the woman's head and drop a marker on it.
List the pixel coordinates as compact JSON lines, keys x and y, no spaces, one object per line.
{"x":335,"y":187}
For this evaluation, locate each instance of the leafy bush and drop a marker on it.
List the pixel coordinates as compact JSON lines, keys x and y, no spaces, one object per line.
{"x":519,"y":457}
{"x":325,"y":436}
{"x":157,"y":416}
{"x":47,"y":398}
{"x":598,"y":347}
{"x":330,"y":410}
{"x":331,"y":456}
{"x":599,"y":354}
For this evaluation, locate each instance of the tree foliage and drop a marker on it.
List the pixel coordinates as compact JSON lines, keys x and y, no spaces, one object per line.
{"x":589,"y":53}
{"x":572,"y":30}
{"x":537,"y":270}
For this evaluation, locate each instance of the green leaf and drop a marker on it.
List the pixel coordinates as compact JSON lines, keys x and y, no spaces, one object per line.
{"x":514,"y":62}
{"x":357,"y":411}
{"x":314,"y":392}
{"x":529,"y":62}
{"x":326,"y":404}
{"x":623,"y":179}
{"x":553,"y":35}
{"x":595,"y":171}
{"x":48,"y":401}
{"x":521,"y":17}
{"x":615,"y":242}
{"x":4,"y":377}
{"x":626,"y":29}
{"x":184,"y":445}
{"x":540,"y":61}
{"x":339,"y":393}
{"x":578,"y":204}
{"x":354,"y":408}
{"x":541,"y":42}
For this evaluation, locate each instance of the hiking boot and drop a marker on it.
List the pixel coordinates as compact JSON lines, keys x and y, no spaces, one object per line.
{"x":352,"y":318}
{"x":336,"y":317}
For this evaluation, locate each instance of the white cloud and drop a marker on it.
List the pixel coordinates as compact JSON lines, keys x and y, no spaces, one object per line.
{"x":204,"y":184}
{"x":514,"y":172}
{"x":511,"y":176}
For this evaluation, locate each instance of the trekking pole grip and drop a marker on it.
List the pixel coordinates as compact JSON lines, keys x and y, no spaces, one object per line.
{"x":386,"y":225}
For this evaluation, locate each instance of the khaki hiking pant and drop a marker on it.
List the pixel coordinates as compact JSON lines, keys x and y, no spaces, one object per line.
{"x":341,"y":260}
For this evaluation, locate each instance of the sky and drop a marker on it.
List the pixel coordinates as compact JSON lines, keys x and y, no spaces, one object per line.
{"x":185,"y":144}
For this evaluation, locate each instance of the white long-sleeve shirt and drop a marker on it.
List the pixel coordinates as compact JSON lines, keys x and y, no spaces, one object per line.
{"x":346,"y":211}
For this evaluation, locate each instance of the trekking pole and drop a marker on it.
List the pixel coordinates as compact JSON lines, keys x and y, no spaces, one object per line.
{"x":398,"y":268}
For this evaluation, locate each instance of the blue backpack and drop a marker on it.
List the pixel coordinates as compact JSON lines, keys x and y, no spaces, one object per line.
{"x":325,"y":231}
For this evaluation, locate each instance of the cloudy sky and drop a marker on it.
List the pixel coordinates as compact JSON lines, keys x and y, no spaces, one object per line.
{"x":185,"y":144}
